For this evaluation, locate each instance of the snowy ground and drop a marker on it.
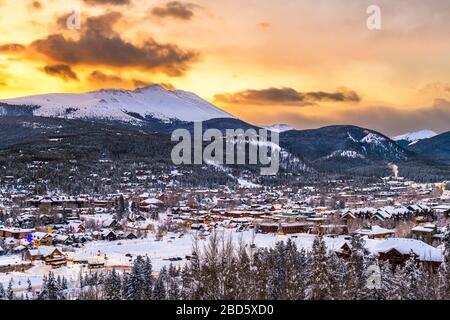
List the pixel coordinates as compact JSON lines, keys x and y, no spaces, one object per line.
{"x":172,"y":245}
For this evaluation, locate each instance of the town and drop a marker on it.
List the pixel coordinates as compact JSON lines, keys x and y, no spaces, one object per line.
{"x":72,"y":235}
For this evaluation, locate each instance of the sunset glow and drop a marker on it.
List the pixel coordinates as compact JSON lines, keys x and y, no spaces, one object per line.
{"x":320,"y":49}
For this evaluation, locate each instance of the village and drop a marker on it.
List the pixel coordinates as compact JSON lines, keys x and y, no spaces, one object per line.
{"x":72,"y":235}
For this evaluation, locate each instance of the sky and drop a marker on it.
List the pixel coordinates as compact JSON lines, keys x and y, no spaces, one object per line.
{"x":306,"y":63}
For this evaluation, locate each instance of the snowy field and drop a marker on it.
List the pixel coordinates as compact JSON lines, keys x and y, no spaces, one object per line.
{"x":117,"y":254}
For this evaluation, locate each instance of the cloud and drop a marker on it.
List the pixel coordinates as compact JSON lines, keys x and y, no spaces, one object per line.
{"x":107,"y":2}
{"x":12,"y":47}
{"x":285,"y":96}
{"x":63,"y":71}
{"x":100,"y":77}
{"x":140,"y":84}
{"x":175,"y":9}
{"x":263,"y":25}
{"x":99,"y":44}
{"x":36,"y":5}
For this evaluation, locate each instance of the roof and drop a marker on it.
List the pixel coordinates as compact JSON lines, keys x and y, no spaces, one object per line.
{"x":423,"y":251}
{"x":374,"y":230}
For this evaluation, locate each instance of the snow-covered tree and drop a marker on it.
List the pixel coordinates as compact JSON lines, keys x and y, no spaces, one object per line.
{"x":319,"y":274}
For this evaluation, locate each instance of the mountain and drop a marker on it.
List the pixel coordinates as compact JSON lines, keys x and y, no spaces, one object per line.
{"x":278,"y":128}
{"x":156,"y":112}
{"x":345,"y":148}
{"x":436,"y":148}
{"x":131,"y":106}
{"x":412,"y":137}
{"x":343,"y":141}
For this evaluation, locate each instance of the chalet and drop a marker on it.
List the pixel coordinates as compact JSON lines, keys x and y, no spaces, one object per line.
{"x":42,"y":239}
{"x":424,"y":232}
{"x":375,"y":232}
{"x":288,"y":228}
{"x":129,"y":236}
{"x":109,"y":223}
{"x":398,"y":250}
{"x":269,"y":227}
{"x":51,"y":255}
{"x":16,"y":233}
{"x":75,"y":227}
{"x":109,"y":235}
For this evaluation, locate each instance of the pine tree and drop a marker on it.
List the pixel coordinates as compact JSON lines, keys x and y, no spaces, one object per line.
{"x":29,"y":287}
{"x":318,"y":276}
{"x":112,"y":286}
{"x":120,"y":210}
{"x":413,"y":279}
{"x":173,"y":289}
{"x":444,"y":269}
{"x":159,"y":292}
{"x":148,"y":279}
{"x":9,"y":291}
{"x":357,"y":266}
{"x":2,"y":292}
{"x":135,"y":283}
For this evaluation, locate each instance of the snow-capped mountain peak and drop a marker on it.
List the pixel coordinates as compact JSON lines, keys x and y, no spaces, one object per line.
{"x":123,"y":105}
{"x":279,"y":128}
{"x":413,"y":137}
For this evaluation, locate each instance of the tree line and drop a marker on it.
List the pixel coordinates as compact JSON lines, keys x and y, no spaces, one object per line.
{"x":223,"y":270}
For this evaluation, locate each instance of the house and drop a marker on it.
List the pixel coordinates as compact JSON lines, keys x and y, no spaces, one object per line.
{"x":16,"y":233}
{"x":374,"y":232}
{"x":424,"y":232}
{"x":51,"y":255}
{"x":288,"y":228}
{"x":268,"y":227}
{"x":75,"y":227}
{"x":129,"y":236}
{"x":109,"y":235}
{"x":397,"y":250}
{"x":42,"y":239}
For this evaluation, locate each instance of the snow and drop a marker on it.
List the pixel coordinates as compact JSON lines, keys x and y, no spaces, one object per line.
{"x":172,"y":245}
{"x":373,"y":138}
{"x":278,"y":127}
{"x":345,"y":154}
{"x":154,"y":101}
{"x":415,"y":136}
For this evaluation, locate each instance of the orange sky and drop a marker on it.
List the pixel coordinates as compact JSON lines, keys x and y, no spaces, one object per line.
{"x":302,"y":62}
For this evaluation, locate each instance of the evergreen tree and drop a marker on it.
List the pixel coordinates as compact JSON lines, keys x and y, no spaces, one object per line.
{"x":444,"y":269}
{"x":112,"y":286}
{"x":159,"y":292}
{"x":2,"y":292}
{"x":9,"y":291}
{"x":318,"y":276}
{"x":173,"y":288}
{"x":29,"y":287}
{"x":148,"y":279}
{"x":413,"y":279}
{"x":357,"y":266}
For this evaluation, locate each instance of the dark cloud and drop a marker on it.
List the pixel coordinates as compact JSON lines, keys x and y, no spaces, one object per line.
{"x":11,"y":47}
{"x":99,"y":44}
{"x":107,"y":2}
{"x":61,"y":70}
{"x":36,"y":5}
{"x":99,"y":76}
{"x":388,"y":120}
{"x":140,"y":84}
{"x":175,"y":9}
{"x":264,"y":25}
{"x":285,"y":96}
{"x":341,"y":96}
